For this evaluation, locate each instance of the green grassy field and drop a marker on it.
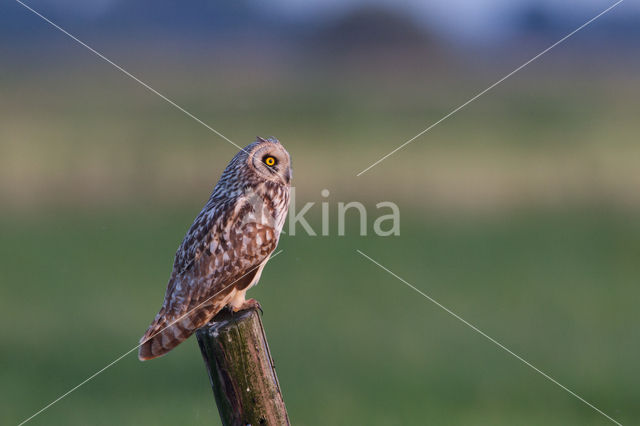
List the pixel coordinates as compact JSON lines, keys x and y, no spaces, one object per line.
{"x":352,"y":344}
{"x":87,"y":135}
{"x":519,"y":214}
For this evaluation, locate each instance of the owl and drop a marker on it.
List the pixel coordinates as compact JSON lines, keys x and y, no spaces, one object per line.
{"x":227,"y":246}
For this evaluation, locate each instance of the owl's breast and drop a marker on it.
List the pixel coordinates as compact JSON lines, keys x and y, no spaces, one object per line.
{"x":281,"y":212}
{"x":275,"y":198}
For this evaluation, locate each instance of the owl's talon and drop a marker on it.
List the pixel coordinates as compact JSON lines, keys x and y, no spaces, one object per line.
{"x":251,"y":304}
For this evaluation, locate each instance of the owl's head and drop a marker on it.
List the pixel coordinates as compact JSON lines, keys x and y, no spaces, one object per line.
{"x":268,"y":159}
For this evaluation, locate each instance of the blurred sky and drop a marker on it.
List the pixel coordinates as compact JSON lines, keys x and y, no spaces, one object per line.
{"x":460,"y":20}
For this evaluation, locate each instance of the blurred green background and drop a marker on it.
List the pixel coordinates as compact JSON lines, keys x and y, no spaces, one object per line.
{"x":519,"y":213}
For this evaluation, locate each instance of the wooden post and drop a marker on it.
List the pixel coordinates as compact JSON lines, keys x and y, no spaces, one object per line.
{"x":241,"y":371}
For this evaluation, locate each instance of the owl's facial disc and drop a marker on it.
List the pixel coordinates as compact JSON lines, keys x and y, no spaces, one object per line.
{"x":271,"y":162}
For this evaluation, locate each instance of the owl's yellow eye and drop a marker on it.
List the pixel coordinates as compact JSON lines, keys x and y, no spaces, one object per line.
{"x":270,"y":161}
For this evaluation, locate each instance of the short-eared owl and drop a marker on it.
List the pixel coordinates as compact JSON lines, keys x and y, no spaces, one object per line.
{"x":227,"y":246}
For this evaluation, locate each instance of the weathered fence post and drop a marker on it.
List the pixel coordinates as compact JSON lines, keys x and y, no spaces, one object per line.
{"x":241,"y":371}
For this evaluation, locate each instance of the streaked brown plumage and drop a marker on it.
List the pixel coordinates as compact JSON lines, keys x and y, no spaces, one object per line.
{"x":227,"y":246}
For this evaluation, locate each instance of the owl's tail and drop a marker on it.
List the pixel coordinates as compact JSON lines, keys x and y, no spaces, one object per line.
{"x":165,"y":333}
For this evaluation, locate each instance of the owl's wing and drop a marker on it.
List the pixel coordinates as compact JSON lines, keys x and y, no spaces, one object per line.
{"x":202,"y":285}
{"x":211,"y":221}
